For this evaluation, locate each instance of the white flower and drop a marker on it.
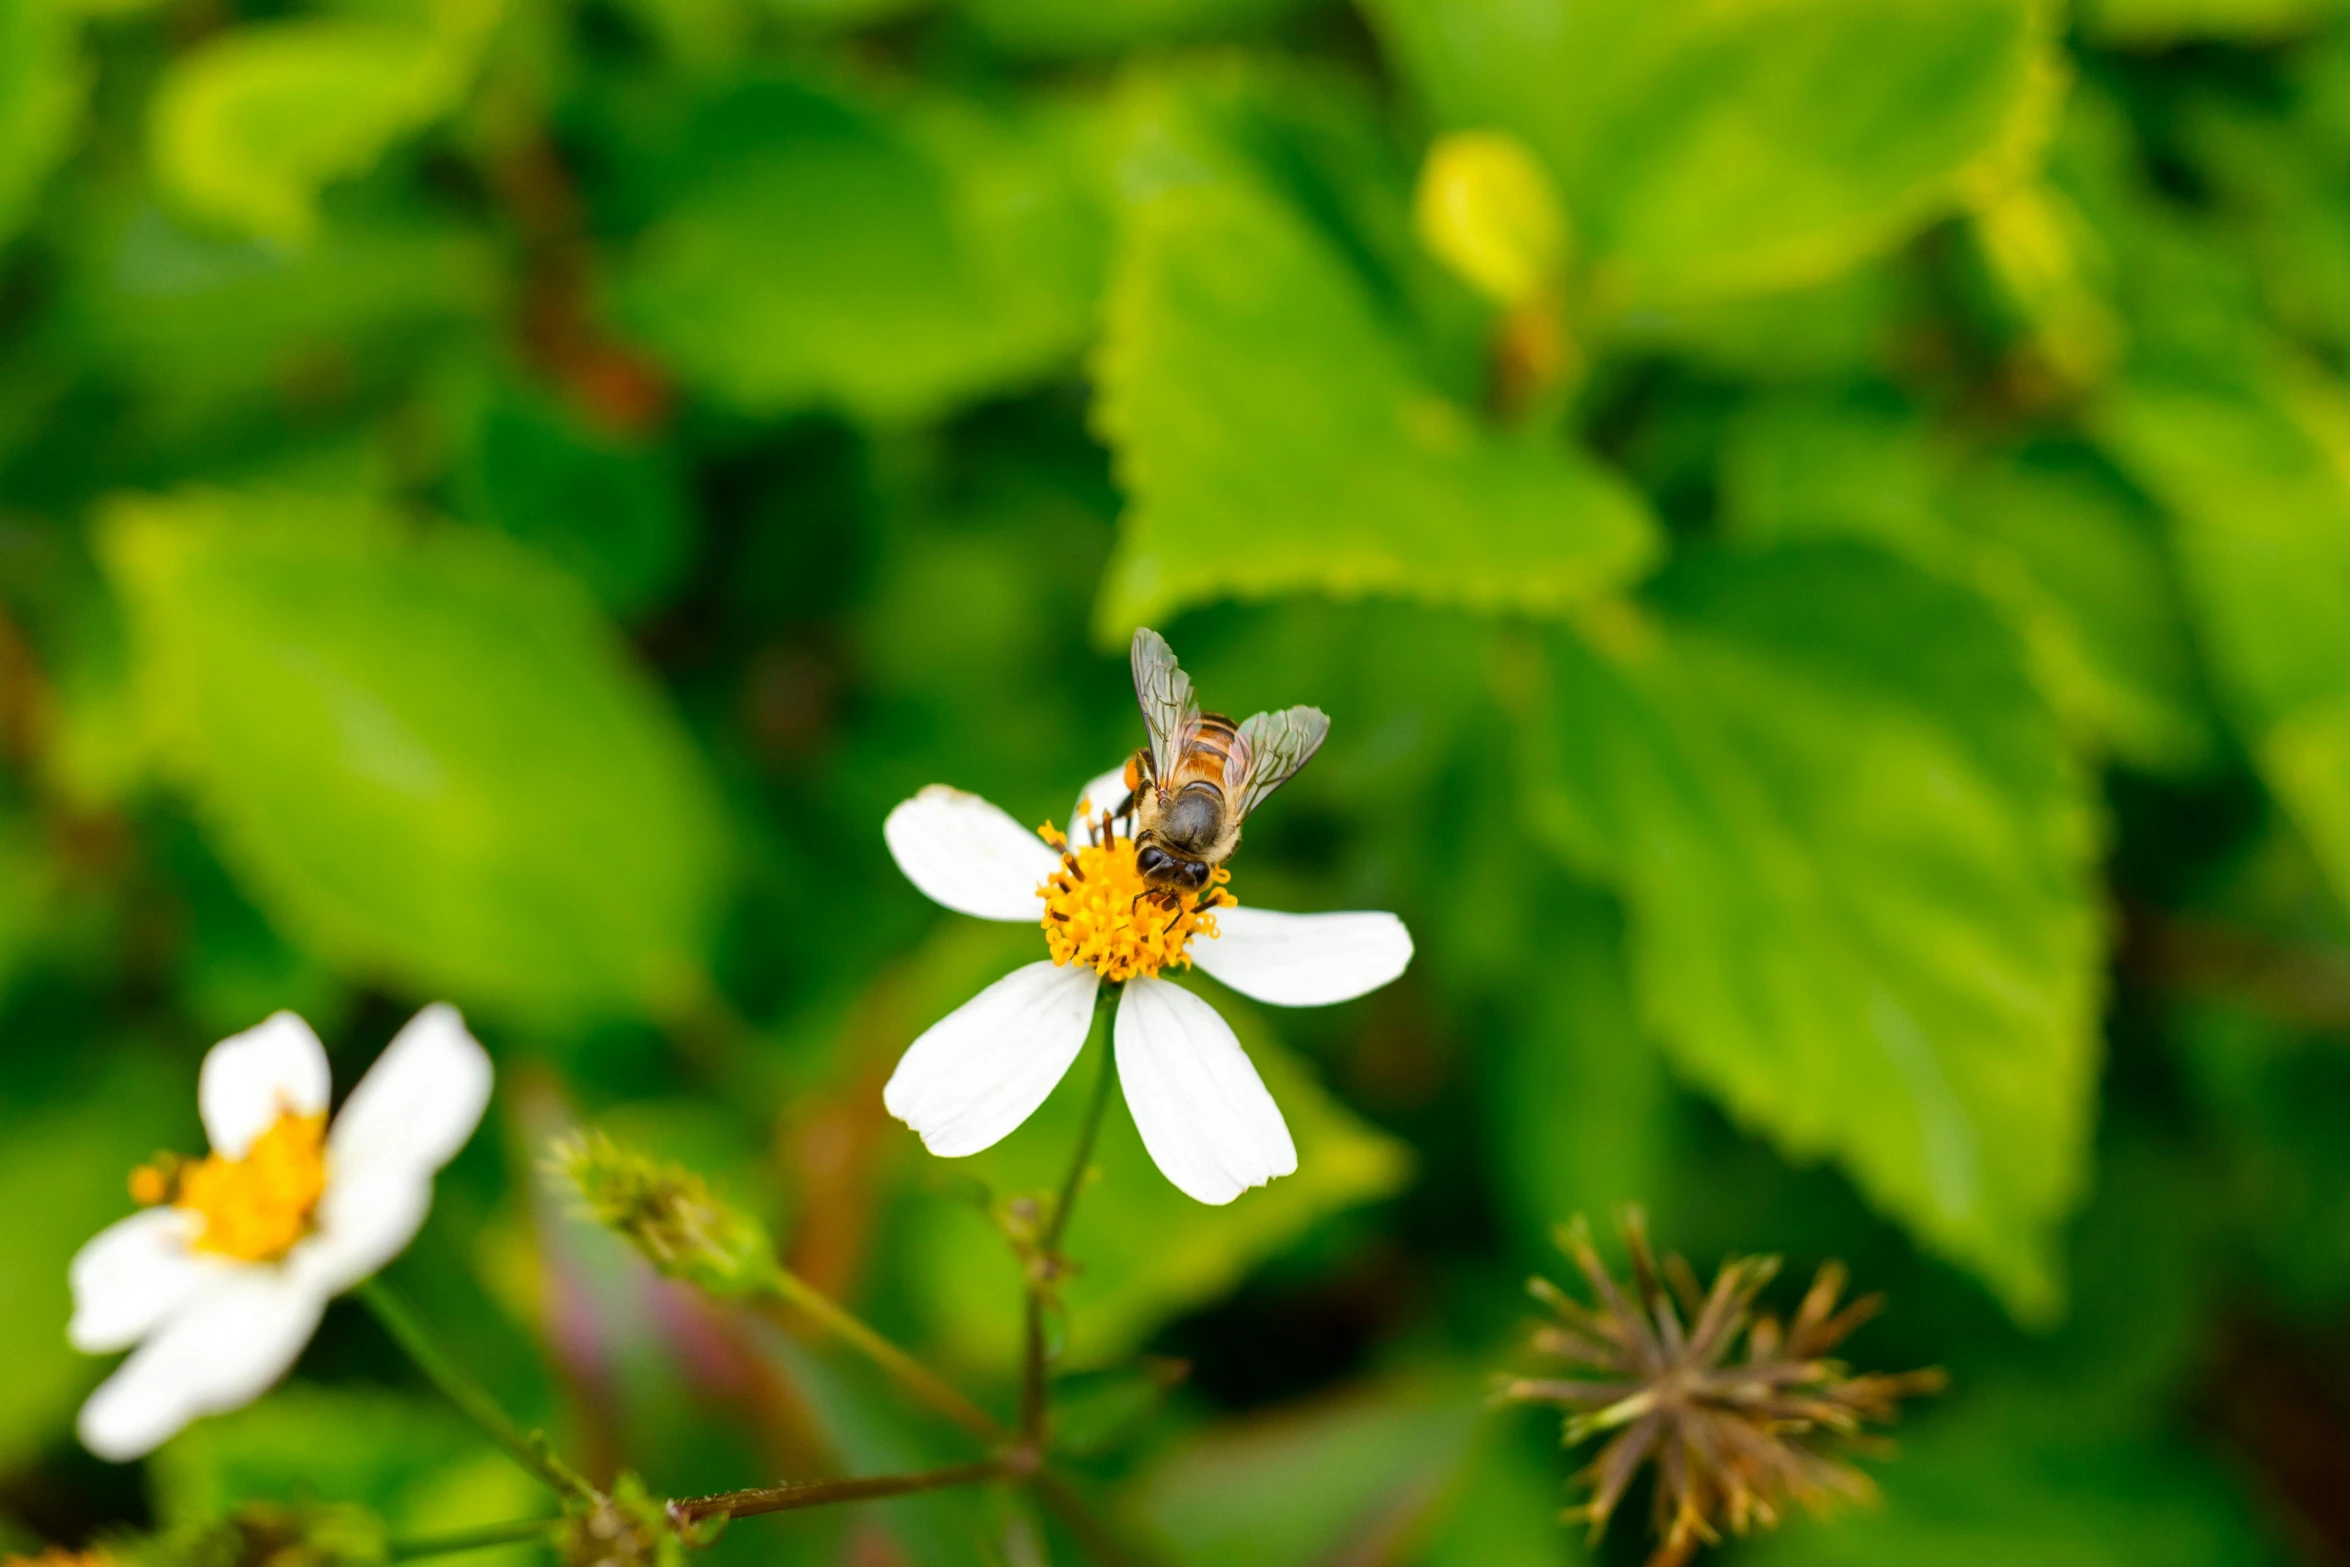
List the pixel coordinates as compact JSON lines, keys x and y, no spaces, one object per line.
{"x":221,"y":1283}
{"x":1202,"y":1110}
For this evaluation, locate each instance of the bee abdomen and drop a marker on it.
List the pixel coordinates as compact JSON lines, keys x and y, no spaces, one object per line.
{"x":1210,"y":748}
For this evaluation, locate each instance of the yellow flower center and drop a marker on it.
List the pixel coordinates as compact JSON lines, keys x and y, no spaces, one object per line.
{"x":255,"y":1208}
{"x":1100,"y":912}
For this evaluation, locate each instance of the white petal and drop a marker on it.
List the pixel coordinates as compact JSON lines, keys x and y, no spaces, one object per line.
{"x":1304,"y":960}
{"x":252,"y":1078}
{"x":1105,"y":793}
{"x":1202,"y":1110}
{"x":132,"y":1275}
{"x":983,"y":1069}
{"x":965,"y":853}
{"x":363,"y":1222}
{"x":417,"y":1105}
{"x":223,"y":1350}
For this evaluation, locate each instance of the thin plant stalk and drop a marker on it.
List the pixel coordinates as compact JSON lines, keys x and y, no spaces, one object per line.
{"x":401,"y":1321}
{"x":793,"y":1495}
{"x":1046,"y":1261}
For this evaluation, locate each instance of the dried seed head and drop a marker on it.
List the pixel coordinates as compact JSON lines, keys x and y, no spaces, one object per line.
{"x":667,"y":1212}
{"x":1740,"y":1413}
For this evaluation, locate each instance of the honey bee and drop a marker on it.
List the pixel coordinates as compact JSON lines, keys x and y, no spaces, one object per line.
{"x":1189,"y":790}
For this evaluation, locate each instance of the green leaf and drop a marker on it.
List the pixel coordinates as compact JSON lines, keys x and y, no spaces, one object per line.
{"x":2159,"y":24}
{"x":610,"y":511}
{"x":1299,"y":1487}
{"x":1062,"y":28}
{"x":1709,"y":149}
{"x":419,"y":1466}
{"x":27,"y":883}
{"x":44,"y":90}
{"x":1148,"y":1252}
{"x":2252,"y":468}
{"x":887,"y":264}
{"x":247,"y":129}
{"x":1504,"y":1512}
{"x":77,"y":1125}
{"x":1582,"y":1108}
{"x":2276,"y":1095}
{"x":213,"y":337}
{"x":1254,"y":392}
{"x":2063,"y":552}
{"x":1859,"y":864}
{"x":2274,"y":184}
{"x":427,"y":757}
{"x":2075,"y":564}
{"x":1837,"y":329}
{"x":2001,"y":1481}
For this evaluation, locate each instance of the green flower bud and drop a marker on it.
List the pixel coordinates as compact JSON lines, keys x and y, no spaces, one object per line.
{"x":667,"y":1212}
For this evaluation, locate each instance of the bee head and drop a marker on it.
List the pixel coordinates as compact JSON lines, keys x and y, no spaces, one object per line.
{"x":1162,"y":869}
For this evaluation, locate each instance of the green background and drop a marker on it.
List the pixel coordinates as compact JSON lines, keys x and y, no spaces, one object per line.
{"x":498,"y":498}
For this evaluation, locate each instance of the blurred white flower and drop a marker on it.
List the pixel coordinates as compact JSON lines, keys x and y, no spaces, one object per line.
{"x":1202,"y":1110}
{"x":221,"y":1282}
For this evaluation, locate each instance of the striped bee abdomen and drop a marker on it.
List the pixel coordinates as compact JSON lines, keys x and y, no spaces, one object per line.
{"x":1207,"y":758}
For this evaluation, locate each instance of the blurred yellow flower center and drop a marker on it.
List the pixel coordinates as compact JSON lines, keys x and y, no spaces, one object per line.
{"x":1099,"y":912}
{"x":255,"y":1208}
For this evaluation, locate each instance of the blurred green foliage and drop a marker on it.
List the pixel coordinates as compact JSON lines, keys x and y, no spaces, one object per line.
{"x":1837,"y":622}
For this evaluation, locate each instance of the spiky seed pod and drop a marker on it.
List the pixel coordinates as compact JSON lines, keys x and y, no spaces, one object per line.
{"x":667,"y":1212}
{"x":1739,"y":1414}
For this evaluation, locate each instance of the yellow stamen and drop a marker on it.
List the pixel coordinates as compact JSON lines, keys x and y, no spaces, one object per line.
{"x":153,"y":1184}
{"x":1099,"y":912}
{"x":255,"y":1208}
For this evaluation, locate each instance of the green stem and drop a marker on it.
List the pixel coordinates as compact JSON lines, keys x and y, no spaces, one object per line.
{"x":401,"y":1321}
{"x":1105,"y":1076}
{"x":483,"y":1538}
{"x":795,"y":1295}
{"x":793,"y":1495}
{"x":1046,"y":1264}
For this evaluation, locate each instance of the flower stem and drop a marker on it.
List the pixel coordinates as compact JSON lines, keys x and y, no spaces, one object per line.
{"x":530,"y":1451}
{"x":1045,"y":1267}
{"x":793,"y":1495}
{"x":510,"y":1533}
{"x":1105,"y":1074}
{"x":787,"y":1292}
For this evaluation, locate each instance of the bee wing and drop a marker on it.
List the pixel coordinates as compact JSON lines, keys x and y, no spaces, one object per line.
{"x":1278,"y":744}
{"x":1169,"y":711}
